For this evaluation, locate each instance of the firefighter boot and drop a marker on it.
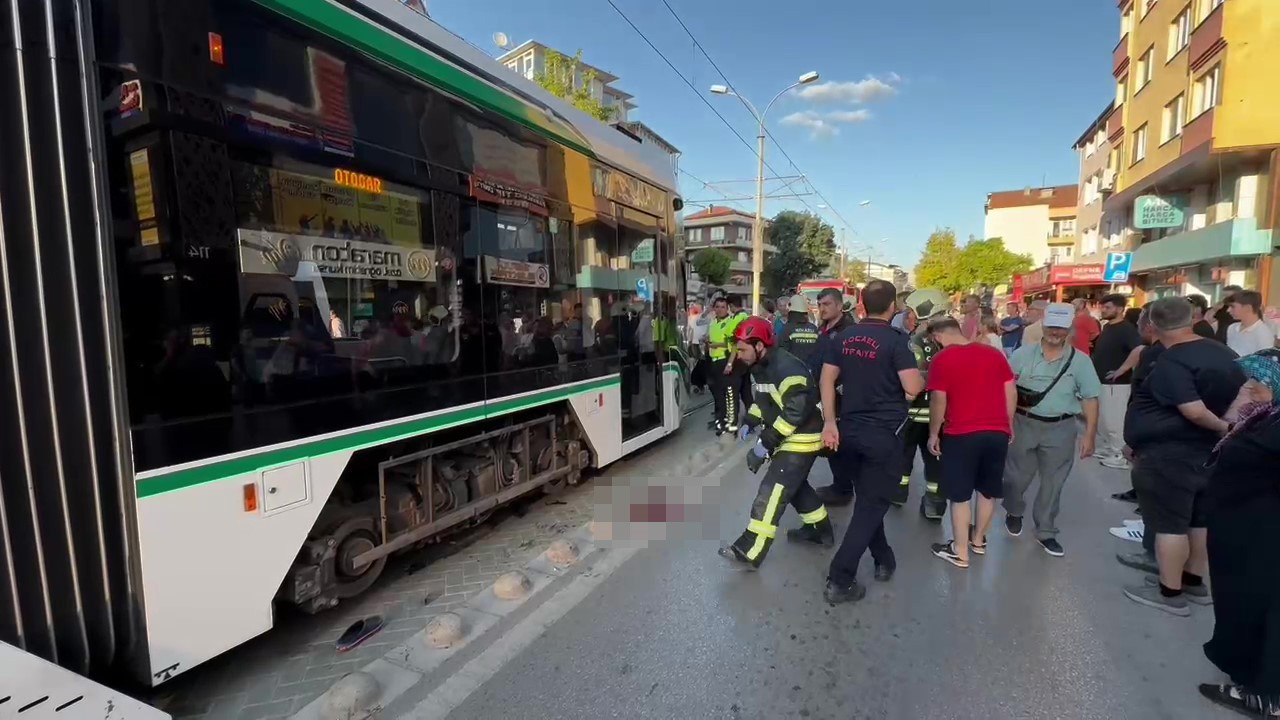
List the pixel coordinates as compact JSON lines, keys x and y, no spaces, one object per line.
{"x":932,"y":505}
{"x":738,"y":558}
{"x":819,"y":533}
{"x":902,"y":492}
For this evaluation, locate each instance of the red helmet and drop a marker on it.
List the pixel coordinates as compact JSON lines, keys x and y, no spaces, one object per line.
{"x":755,"y":328}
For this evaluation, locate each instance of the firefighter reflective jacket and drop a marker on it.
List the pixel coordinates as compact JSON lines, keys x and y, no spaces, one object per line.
{"x":924,"y":348}
{"x":786,"y":404}
{"x":800,"y":338}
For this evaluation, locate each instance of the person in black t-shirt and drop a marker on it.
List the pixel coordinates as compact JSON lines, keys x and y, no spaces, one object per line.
{"x":875,"y":362}
{"x":1200,"y":308}
{"x":1119,"y":337}
{"x":1172,"y":426}
{"x":1222,"y":318}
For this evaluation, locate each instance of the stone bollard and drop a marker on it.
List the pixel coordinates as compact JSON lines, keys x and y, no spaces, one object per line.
{"x":512,"y":586}
{"x":444,"y":630}
{"x":351,"y":697}
{"x":562,"y":552}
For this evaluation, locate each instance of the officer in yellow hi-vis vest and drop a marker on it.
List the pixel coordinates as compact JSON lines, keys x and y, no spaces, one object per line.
{"x":790,"y":421}
{"x":721,"y":350}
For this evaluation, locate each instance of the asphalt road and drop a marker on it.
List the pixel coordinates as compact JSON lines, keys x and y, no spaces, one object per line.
{"x":674,"y":633}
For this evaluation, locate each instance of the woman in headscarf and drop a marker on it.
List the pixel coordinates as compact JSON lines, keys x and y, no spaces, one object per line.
{"x":1244,"y":496}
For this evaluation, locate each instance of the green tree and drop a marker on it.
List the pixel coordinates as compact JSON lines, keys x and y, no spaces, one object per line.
{"x":855,"y":271}
{"x":712,"y":265}
{"x":562,"y":76}
{"x":939,"y":265}
{"x":804,"y":243}
{"x":988,"y":262}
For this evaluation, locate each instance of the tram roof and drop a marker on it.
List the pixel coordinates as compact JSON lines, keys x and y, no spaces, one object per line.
{"x":421,"y":47}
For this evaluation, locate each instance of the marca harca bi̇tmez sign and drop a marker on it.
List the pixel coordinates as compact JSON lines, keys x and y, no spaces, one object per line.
{"x":1154,"y":211}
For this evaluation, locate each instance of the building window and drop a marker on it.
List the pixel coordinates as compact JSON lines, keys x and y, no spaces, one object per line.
{"x":1090,"y":244}
{"x":1122,"y":90}
{"x":1180,"y":32}
{"x":717,"y":233}
{"x":1174,"y":112}
{"x":1145,"y":7}
{"x":1206,"y":7}
{"x":1126,"y":23}
{"x":1064,"y":228}
{"x":1139,"y":151}
{"x":743,"y":256}
{"x":1090,"y":148}
{"x":742,"y":234}
{"x":528,"y":65}
{"x":1207,"y":91}
{"x":1145,"y":69}
{"x":695,"y":235}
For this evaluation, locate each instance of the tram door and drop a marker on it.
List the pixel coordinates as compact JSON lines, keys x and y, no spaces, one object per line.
{"x":638,"y":235}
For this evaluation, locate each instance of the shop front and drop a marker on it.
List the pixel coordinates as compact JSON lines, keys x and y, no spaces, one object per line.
{"x":1062,"y":283}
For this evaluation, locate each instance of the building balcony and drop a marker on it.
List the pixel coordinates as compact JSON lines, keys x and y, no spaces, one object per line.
{"x":1231,"y":238}
{"x":1197,"y":132}
{"x":1062,"y":240}
{"x":727,"y":245}
{"x":1120,"y":57}
{"x":1206,"y":38}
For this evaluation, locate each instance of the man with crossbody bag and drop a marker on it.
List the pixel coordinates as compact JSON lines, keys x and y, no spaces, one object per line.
{"x":1055,"y":385}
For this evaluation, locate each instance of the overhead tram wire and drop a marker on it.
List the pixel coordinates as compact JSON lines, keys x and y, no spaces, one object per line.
{"x":776,"y":144}
{"x":705,"y":101}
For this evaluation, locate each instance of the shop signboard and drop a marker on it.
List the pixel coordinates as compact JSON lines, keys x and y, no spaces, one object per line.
{"x":501,"y":271}
{"x":274,"y":253}
{"x":643,"y":252}
{"x":507,"y":195}
{"x":1156,"y":211}
{"x":1076,"y":274}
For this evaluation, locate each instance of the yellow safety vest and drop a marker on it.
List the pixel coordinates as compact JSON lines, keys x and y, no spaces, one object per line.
{"x":720,"y":335}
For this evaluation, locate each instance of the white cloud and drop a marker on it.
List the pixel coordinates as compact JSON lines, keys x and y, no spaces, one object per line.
{"x":825,"y":125}
{"x":861,"y":91}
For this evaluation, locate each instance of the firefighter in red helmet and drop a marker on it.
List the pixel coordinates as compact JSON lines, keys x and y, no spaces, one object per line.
{"x":790,"y":422}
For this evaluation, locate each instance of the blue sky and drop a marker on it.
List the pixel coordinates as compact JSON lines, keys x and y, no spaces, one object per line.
{"x":986,"y":94}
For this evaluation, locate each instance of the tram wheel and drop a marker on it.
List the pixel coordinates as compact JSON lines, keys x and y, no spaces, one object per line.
{"x":353,"y":538}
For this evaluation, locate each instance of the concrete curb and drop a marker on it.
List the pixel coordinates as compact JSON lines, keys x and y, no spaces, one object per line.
{"x":384,"y":680}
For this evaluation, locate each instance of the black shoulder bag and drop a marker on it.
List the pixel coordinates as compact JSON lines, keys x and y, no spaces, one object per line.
{"x":1028,"y":399}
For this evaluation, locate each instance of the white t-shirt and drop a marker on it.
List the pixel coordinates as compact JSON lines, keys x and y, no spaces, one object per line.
{"x":1246,"y":341}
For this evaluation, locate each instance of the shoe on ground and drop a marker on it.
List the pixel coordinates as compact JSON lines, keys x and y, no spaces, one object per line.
{"x":836,"y":594}
{"x":884,"y":573}
{"x":1234,"y":697}
{"x":1102,"y":455}
{"x":978,"y":548}
{"x":1132,"y":522}
{"x":1198,"y":594}
{"x":1151,"y":597}
{"x":829,"y":495}
{"x":736,"y":557}
{"x":823,"y":535}
{"x":1013,"y":525}
{"x":1132,"y":533}
{"x":1053,"y":547}
{"x":947,"y":551}
{"x":1126,"y":496}
{"x":1117,"y":463}
{"x":1139,"y":561}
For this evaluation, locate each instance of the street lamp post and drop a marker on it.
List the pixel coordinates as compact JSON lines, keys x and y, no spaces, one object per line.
{"x":757,"y":241}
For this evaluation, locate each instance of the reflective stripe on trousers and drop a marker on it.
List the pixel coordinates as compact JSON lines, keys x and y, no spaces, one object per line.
{"x":785,"y":482}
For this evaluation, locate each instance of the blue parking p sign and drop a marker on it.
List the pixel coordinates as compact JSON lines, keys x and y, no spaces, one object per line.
{"x":1117,"y":268}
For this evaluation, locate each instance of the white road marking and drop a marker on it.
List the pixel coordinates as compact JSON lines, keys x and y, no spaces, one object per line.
{"x":455,"y":691}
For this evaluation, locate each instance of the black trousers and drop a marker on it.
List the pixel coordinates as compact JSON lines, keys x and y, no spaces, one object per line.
{"x":719,"y":388}
{"x":872,"y":457}
{"x":786,"y":481}
{"x":915,"y":436}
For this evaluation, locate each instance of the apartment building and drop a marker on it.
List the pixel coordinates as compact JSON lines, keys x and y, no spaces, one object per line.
{"x":529,"y":58}
{"x":1097,"y":180}
{"x":1040,"y":222}
{"x":1194,"y":136}
{"x":729,"y":230}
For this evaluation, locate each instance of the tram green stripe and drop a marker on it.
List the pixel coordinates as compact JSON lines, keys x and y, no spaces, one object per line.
{"x":221,"y":470}
{"x":351,"y":29}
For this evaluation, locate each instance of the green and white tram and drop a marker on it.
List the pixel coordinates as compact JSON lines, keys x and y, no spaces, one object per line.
{"x":291,"y":286}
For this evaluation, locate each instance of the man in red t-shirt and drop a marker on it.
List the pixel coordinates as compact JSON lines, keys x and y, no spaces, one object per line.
{"x":1085,"y":328}
{"x":971,"y":404}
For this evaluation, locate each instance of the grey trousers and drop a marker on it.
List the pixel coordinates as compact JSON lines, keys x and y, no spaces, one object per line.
{"x":1045,"y":449}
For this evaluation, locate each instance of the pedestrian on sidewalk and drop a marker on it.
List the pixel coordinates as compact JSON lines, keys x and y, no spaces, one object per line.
{"x":1118,"y":340}
{"x":724,"y":384}
{"x":1141,"y":361}
{"x":1172,"y":427}
{"x":1221,"y":317}
{"x":971,"y":403}
{"x":1055,"y":384}
{"x":874,"y":358}
{"x":832,"y":321}
{"x":1033,"y":331}
{"x":1085,"y":328}
{"x":1250,"y":333}
{"x":790,"y":440}
{"x":1244,"y":499}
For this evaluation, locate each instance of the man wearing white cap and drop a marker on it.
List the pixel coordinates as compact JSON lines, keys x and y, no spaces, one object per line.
{"x":1055,"y":384}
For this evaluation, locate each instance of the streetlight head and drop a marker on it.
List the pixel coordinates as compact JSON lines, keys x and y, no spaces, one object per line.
{"x":864,"y":203}
{"x":809,"y":77}
{"x":719,"y":89}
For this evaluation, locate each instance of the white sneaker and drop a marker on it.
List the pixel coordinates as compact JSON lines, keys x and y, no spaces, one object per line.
{"x":1136,"y":522}
{"x":1117,"y":462}
{"x":1132,"y":533}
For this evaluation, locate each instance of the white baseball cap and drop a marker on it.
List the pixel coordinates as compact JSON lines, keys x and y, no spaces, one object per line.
{"x":1059,"y":315}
